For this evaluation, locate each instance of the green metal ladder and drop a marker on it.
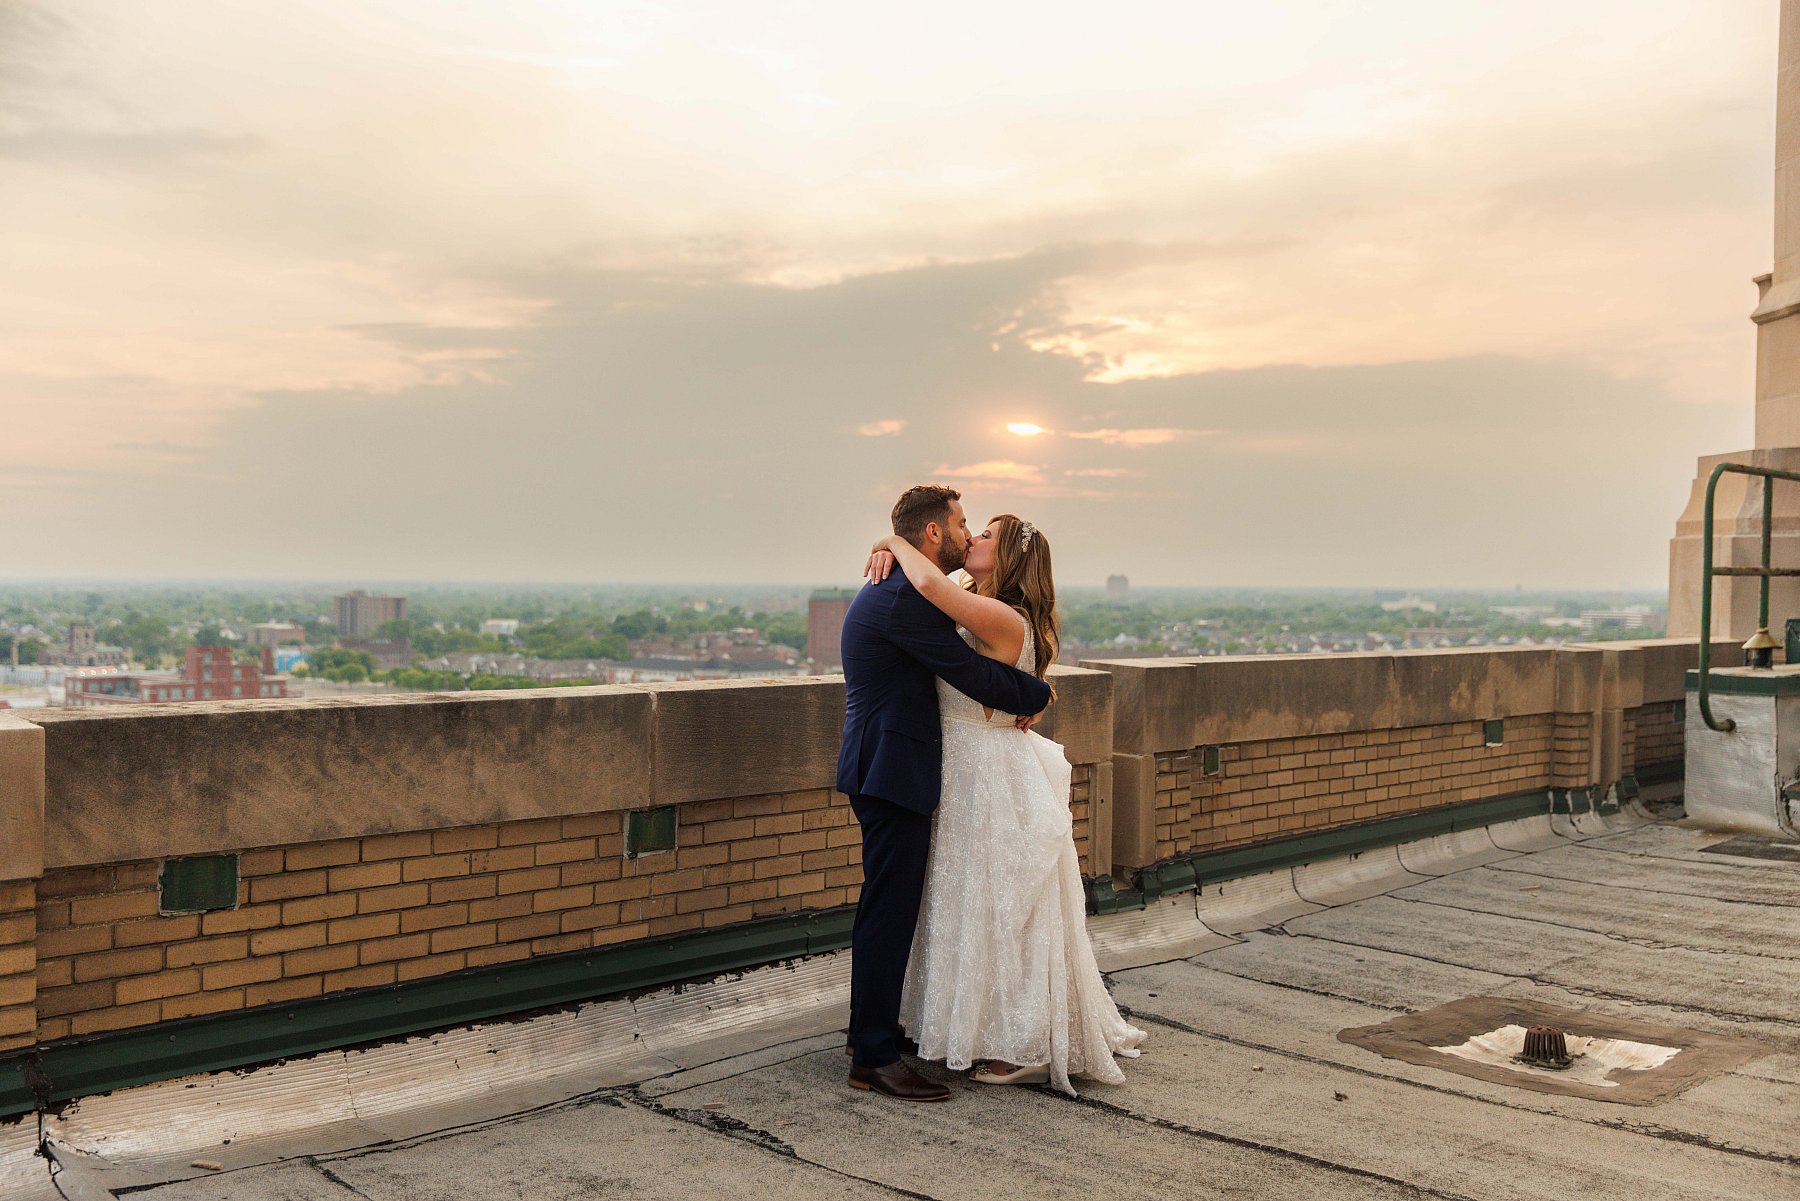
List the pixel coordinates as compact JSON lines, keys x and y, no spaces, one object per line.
{"x":1760,"y":641}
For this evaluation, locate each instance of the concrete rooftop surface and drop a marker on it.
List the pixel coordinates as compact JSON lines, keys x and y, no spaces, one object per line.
{"x":1245,"y":1089}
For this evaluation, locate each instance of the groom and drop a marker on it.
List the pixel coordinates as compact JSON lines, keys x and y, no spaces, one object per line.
{"x":895,"y":643}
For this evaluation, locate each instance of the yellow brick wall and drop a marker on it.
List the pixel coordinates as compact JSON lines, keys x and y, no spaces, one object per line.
{"x":1081,"y":812}
{"x":18,"y":963}
{"x":1573,"y":739}
{"x":1659,"y":735}
{"x":1289,"y":786}
{"x":324,"y":917}
{"x":1174,"y":804}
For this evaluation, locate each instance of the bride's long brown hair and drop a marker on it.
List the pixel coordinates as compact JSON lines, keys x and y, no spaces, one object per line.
{"x":1023,"y":579}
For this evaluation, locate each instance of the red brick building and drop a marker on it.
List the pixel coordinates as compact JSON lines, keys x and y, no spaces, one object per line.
{"x":209,"y":674}
{"x":825,"y":612}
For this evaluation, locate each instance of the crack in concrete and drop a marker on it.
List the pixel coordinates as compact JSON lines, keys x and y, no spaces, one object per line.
{"x":756,"y":1067}
{"x":1726,"y":1015}
{"x":1647,"y":1129}
{"x":1666,"y":858}
{"x":1231,"y":1140}
{"x":718,"y":1122}
{"x":1648,"y":943}
{"x":1314,"y":992}
{"x":332,"y":1176}
{"x":1666,"y":892}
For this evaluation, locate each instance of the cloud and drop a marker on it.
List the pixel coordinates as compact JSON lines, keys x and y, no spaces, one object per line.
{"x":1142,"y":437}
{"x":611,"y":451}
{"x":880,"y":429}
{"x":993,"y":469}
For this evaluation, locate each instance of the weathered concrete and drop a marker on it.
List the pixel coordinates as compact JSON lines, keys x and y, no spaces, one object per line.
{"x":21,"y":799}
{"x":152,"y":781}
{"x":216,"y":776}
{"x":744,"y":738}
{"x":1082,"y":717}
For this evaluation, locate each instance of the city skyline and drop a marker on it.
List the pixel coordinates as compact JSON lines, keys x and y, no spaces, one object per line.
{"x":1279,"y":298}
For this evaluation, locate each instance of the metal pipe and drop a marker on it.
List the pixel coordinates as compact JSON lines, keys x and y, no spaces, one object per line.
{"x":1706,"y":580}
{"x":1768,"y":524}
{"x":1768,"y":475}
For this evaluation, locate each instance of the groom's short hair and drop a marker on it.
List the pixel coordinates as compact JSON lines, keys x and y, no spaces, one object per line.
{"x":919,"y":506}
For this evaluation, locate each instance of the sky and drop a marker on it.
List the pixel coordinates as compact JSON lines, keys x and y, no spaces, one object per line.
{"x":1405,"y":293}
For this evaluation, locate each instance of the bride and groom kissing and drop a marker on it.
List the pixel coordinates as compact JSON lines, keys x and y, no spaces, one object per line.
{"x":970,"y":931}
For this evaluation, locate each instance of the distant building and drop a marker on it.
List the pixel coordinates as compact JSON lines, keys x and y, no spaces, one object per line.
{"x":1522,"y":612}
{"x":1632,"y":617}
{"x":274,"y":633}
{"x":825,"y":613}
{"x":388,"y":653}
{"x":1117,"y":587}
{"x":208,"y":674}
{"x":82,"y":650}
{"x":359,"y":614}
{"x":506,"y":627}
{"x":1409,"y":604}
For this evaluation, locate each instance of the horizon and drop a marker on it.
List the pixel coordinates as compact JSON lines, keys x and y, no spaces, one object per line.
{"x":377,"y":586}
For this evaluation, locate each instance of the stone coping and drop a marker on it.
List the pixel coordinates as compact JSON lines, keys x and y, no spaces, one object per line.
{"x":90,"y":786}
{"x":1168,"y":704}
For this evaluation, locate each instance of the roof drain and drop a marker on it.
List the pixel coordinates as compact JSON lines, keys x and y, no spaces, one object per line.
{"x":1545,"y":1047}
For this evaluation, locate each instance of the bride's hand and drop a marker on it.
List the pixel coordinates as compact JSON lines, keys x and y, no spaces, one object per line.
{"x":879,"y":564}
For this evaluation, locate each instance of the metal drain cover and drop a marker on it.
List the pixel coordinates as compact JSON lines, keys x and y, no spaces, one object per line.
{"x":1751,"y":846}
{"x":1611,"y":1059}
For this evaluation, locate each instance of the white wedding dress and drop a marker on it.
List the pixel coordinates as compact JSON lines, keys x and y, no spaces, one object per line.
{"x":1001,"y":967}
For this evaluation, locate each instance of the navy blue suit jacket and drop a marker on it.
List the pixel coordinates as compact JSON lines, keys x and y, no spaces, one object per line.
{"x":895,"y":644}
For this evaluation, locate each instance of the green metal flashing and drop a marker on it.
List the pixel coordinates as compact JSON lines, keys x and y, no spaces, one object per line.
{"x":80,"y":1067}
{"x":1666,"y":772}
{"x":1174,"y":876}
{"x":1101,"y":898}
{"x":1569,"y":801}
{"x":1742,"y":681}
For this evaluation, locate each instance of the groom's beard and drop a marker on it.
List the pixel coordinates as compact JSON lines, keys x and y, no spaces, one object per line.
{"x":951,"y":557}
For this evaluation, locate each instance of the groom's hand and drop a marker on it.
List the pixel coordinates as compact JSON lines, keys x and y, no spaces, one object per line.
{"x":1025,"y":723}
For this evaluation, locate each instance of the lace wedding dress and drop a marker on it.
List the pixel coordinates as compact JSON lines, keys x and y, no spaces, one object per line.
{"x":1001,"y":967}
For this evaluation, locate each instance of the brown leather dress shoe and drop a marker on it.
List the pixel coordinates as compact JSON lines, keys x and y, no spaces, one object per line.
{"x":898,"y":1081}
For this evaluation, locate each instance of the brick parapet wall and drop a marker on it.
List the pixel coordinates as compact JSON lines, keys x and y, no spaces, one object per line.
{"x":1174,"y":803}
{"x":526,"y":857}
{"x":1659,"y":736}
{"x":326,"y":917}
{"x":1573,"y":736}
{"x":18,"y":963}
{"x":355,"y":913}
{"x":1081,"y":814}
{"x":1287,"y":786}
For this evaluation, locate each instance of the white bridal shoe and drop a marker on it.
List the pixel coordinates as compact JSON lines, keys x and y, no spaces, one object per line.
{"x":1031,"y":1074}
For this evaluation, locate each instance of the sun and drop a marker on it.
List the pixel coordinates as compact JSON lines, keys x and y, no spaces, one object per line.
{"x":1025,"y":429}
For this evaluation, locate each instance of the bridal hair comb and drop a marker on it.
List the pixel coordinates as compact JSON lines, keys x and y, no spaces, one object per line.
{"x":1026,"y":530}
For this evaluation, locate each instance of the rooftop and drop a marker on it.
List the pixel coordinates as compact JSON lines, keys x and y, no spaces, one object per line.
{"x":1245,"y":1088}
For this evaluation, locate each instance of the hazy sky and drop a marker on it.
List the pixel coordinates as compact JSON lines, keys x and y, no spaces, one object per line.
{"x":1444,"y":292}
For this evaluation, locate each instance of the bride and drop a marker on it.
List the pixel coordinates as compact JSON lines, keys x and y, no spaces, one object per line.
{"x":1001,"y":975}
